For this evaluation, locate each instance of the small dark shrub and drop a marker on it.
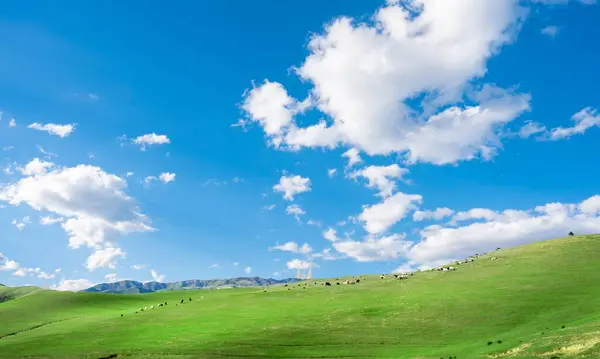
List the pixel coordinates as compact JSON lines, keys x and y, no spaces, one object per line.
{"x":499,"y":341}
{"x":490,"y":343}
{"x":563,"y":326}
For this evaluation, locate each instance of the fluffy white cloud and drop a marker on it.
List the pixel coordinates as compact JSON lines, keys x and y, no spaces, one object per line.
{"x":584,"y":120}
{"x":167,"y":177}
{"x":475,"y":213}
{"x":380,"y":177}
{"x":73,"y":285}
{"x":365,"y":78}
{"x":591,"y":206}
{"x":298,"y":264}
{"x":506,"y":229}
{"x":12,"y":122}
{"x":96,"y":208}
{"x":292,"y":185}
{"x":436,"y":214}
{"x":531,"y":128}
{"x":111,"y":277}
{"x":295,"y":210}
{"x":11,"y":265}
{"x":138,"y":266}
{"x":54,"y":129}
{"x":164,"y":177}
{"x":105,"y":257}
{"x":373,"y":248}
{"x":379,"y":217}
{"x":330,"y":235}
{"x":248,"y":270}
{"x":157,"y":277}
{"x":150,"y":139}
{"x":353,"y":156}
{"x":47,"y":220}
{"x":331,"y":172}
{"x":36,"y":167}
{"x":292,"y":247}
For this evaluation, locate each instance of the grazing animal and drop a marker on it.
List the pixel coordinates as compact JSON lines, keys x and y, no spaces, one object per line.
{"x":165,"y":303}
{"x":358,"y":281}
{"x":121,"y":315}
{"x":190,"y":299}
{"x":151,"y":307}
{"x":160,"y":305}
{"x":382,"y":276}
{"x":494,"y":258}
{"x":328,"y":284}
{"x":285,"y":285}
{"x":571,"y":234}
{"x":181,"y":301}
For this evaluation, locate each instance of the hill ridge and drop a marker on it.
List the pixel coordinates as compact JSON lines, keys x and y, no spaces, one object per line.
{"x":135,"y":287}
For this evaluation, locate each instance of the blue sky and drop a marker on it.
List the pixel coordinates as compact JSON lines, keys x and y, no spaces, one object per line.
{"x":475,"y":125}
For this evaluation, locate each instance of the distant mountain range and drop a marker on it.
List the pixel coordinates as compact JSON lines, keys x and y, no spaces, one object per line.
{"x":134,"y":287}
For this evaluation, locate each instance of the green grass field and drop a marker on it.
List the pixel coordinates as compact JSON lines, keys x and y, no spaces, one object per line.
{"x":536,"y":301}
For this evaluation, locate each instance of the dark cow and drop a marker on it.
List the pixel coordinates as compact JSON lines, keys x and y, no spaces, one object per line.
{"x":181,"y":301}
{"x":190,"y":299}
{"x":328,"y":284}
{"x":571,"y":234}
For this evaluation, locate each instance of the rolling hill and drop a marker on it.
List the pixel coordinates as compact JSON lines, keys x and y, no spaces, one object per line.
{"x":131,"y":286}
{"x":540,"y":301}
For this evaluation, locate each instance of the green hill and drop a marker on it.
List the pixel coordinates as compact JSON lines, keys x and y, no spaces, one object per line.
{"x":536,"y":301}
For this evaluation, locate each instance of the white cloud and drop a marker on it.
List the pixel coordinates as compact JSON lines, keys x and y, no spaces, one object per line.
{"x":248,"y":270}
{"x":562,"y":2}
{"x":551,"y":31}
{"x":105,"y":257}
{"x":312,"y":222}
{"x":436,"y":214}
{"x":12,"y":122}
{"x":54,"y":129}
{"x":379,"y":217}
{"x":591,"y":206}
{"x":295,"y":210}
{"x":22,"y":223}
{"x":150,"y":139}
{"x":235,"y":264}
{"x":111,"y":277}
{"x":48,"y":220}
{"x":475,"y":213}
{"x":531,"y":128}
{"x":138,"y":266}
{"x":157,"y":277}
{"x":269,"y":207}
{"x":331,"y":172}
{"x":93,"y":97}
{"x":167,"y":177}
{"x":506,"y":229}
{"x":353,"y":156}
{"x":330,"y":235}
{"x":379,"y":177}
{"x":73,"y":285}
{"x":36,"y":167}
{"x":584,"y":120}
{"x":96,"y":208}
{"x":298,"y":264}
{"x":19,"y":271}
{"x":374,"y":249}
{"x":272,"y":108}
{"x":292,"y":185}
{"x":365,"y":75}
{"x":292,"y":247}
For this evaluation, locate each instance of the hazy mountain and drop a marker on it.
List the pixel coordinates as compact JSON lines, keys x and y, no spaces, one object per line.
{"x":132,"y":287}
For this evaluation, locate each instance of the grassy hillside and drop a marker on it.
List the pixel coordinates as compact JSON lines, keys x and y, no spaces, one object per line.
{"x":536,"y":301}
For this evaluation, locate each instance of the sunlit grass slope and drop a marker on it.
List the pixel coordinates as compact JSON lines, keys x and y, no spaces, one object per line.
{"x":536,"y":301}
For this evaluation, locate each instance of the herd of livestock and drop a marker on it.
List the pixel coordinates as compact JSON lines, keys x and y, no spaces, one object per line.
{"x":339,"y":281}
